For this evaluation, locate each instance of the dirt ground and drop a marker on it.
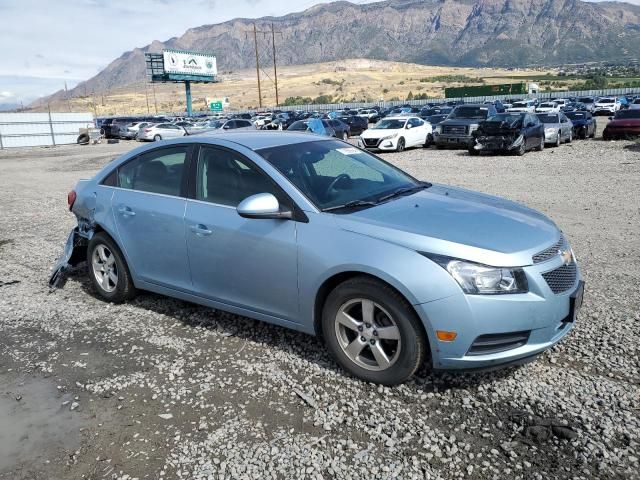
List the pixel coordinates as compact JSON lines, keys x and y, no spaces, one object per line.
{"x":159,"y":388}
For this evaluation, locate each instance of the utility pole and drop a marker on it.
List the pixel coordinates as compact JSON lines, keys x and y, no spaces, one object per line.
{"x":155,"y":102}
{"x":255,"y":41}
{"x":275,"y":68}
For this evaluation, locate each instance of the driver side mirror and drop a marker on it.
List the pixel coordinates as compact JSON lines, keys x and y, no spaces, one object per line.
{"x":226,"y":127}
{"x":408,"y":126}
{"x":262,"y":206}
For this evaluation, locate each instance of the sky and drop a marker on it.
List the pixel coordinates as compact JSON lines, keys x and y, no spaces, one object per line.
{"x":46,"y":43}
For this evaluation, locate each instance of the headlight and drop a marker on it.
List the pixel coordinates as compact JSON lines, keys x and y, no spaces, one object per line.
{"x":389,"y":137}
{"x":473,"y":126}
{"x":549,"y":130}
{"x":478,"y":279}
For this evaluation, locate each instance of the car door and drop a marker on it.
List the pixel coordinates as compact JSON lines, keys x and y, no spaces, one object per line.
{"x":530,"y":123}
{"x":565,"y":126}
{"x":148,"y":208}
{"x":249,"y":263}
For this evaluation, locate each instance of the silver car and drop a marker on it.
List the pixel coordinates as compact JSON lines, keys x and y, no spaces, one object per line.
{"x":161,"y":131}
{"x":557,"y":128}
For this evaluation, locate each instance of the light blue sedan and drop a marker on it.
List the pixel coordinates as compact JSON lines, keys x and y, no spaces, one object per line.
{"x":313,"y":234}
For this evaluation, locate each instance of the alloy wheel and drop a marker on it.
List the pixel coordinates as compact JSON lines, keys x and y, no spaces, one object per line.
{"x":367,"y":334}
{"x":105,"y":270}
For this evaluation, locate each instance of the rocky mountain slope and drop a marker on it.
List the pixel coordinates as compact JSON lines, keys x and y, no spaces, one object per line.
{"x":509,"y":33}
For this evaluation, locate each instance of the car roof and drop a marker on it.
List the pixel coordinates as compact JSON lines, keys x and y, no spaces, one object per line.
{"x":256,"y":140}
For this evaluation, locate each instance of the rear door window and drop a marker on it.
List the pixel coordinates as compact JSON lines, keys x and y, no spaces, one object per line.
{"x":158,"y":171}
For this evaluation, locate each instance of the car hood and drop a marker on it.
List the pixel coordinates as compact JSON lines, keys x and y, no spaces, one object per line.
{"x":625,"y":122}
{"x":379,"y":132}
{"x":458,"y":223}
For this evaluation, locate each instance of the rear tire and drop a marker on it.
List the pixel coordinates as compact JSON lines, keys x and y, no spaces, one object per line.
{"x":108,"y":270}
{"x":345,"y":136}
{"x":558,"y":140}
{"x":473,"y":152}
{"x":570,"y":139}
{"x":157,"y":138}
{"x":541,"y":146}
{"x":361,"y":308}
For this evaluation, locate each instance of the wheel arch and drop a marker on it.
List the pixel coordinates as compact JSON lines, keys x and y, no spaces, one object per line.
{"x":330,"y":283}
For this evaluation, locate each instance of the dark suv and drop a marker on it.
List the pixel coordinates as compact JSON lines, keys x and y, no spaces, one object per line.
{"x":457,"y":129}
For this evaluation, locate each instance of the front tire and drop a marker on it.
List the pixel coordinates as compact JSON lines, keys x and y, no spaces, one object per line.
{"x":541,"y":146}
{"x":558,"y":139}
{"x":345,"y":136}
{"x":570,"y":139}
{"x":522,"y":149}
{"x":373,"y":332}
{"x":401,"y":145}
{"x":108,"y":270}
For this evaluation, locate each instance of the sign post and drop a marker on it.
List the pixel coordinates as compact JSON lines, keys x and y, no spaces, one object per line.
{"x":187,"y":90}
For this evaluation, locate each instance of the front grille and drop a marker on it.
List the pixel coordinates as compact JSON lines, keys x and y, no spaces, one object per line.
{"x":561,"y":279}
{"x":498,"y":342}
{"x":454,"y":130}
{"x":371,"y":142}
{"x":550,"y":252}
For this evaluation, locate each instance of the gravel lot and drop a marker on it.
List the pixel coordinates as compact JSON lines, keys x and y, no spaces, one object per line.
{"x":159,"y":388}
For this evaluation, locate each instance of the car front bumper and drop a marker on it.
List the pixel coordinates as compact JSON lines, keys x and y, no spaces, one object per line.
{"x":498,"y":330}
{"x":551,"y":137}
{"x":389,"y":144}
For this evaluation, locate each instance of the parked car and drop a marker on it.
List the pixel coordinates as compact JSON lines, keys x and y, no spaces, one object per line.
{"x":161,"y":131}
{"x":457,"y":129}
{"x":528,"y":106}
{"x":547,"y":107}
{"x":625,"y":124}
{"x":396,"y":133}
{"x":431,"y":111}
{"x":557,"y":128}
{"x":606,"y":106}
{"x":356,"y":123}
{"x":342,"y":130}
{"x":372,"y":115}
{"x":313,"y":125}
{"x":321,"y":237}
{"x":584,"y":125}
{"x":635,"y":104}
{"x":224,"y":125}
{"x":510,"y":132}
{"x":131,"y":131}
{"x":589,"y":103}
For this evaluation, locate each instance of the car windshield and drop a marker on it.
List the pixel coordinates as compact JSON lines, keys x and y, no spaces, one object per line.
{"x":215,"y":124}
{"x":331,"y":174}
{"x":432,"y":119}
{"x":299,"y":125}
{"x":547,"y":105}
{"x":548,"y":118}
{"x":585,"y":100}
{"x":627,"y":114}
{"x":606,"y":100}
{"x":520,"y":105}
{"x":576,"y":115}
{"x":469,"y":112}
{"x":389,"y":124}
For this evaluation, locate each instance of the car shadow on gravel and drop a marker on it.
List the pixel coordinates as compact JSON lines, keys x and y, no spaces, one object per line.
{"x":284,"y":339}
{"x":634,"y":147}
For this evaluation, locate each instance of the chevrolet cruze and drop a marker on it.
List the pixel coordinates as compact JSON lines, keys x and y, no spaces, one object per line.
{"x":314,"y":234}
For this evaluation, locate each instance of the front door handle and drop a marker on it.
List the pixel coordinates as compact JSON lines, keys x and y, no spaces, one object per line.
{"x":201,"y":230}
{"x":126,"y":212}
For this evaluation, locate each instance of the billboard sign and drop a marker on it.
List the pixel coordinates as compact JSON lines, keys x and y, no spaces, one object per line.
{"x":189,"y":63}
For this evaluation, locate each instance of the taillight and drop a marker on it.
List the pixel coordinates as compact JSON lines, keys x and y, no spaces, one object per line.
{"x":147,"y":130}
{"x":71,"y":198}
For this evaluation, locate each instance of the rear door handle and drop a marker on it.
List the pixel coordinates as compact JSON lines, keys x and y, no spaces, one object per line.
{"x":126,"y":211}
{"x":201,"y":230}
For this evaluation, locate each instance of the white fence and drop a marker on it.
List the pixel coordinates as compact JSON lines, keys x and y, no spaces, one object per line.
{"x":41,"y":129}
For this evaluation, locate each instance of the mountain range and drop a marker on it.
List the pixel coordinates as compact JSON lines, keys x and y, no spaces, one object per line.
{"x":500,"y":33}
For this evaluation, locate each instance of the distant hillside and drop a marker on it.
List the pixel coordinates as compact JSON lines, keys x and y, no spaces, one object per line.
{"x":510,"y":33}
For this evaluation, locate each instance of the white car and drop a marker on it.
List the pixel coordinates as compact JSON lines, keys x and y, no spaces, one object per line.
{"x":607,"y":105}
{"x":161,"y":131}
{"x":525,"y":106}
{"x":548,"y":107}
{"x":396,"y":133}
{"x":635,"y":105}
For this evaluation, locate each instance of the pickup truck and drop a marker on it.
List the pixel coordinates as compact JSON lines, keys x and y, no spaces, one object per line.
{"x":457,"y":130}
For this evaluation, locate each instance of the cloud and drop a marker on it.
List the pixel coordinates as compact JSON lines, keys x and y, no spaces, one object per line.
{"x":6,"y":95}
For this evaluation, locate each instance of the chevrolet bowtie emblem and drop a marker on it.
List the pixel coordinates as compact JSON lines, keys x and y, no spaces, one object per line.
{"x":567,"y":256}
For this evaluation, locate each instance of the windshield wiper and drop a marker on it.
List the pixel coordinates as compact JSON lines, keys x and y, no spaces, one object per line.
{"x":404,"y":190}
{"x":351,"y":204}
